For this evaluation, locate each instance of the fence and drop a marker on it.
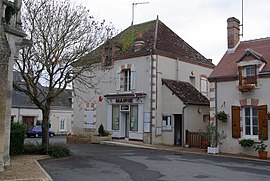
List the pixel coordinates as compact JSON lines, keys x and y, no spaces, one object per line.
{"x":196,"y":139}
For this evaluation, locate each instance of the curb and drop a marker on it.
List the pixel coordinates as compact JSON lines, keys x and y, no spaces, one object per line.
{"x":113,"y":143}
{"x":49,"y":178}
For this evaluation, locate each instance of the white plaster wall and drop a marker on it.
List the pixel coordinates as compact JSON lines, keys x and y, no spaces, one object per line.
{"x":106,"y":85}
{"x":174,"y":69}
{"x":55,"y":120}
{"x":229,"y":95}
{"x":20,"y":112}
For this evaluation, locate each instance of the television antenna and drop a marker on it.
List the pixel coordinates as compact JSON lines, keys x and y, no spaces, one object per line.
{"x":132,"y":22}
{"x":242,"y":25}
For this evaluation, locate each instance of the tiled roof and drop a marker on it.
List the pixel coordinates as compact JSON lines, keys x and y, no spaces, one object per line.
{"x":228,"y":64}
{"x":62,"y":102}
{"x":186,"y":92}
{"x":20,"y":100}
{"x":157,"y":37}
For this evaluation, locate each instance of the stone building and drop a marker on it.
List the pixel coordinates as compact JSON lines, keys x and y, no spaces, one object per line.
{"x":11,"y":40}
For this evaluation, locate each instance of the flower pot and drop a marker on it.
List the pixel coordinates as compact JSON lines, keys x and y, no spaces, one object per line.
{"x":213,"y":150}
{"x":263,"y":155}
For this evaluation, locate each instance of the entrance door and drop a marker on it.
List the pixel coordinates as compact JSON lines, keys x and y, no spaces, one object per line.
{"x":178,"y":129}
{"x":127,"y":123}
{"x":28,"y":121}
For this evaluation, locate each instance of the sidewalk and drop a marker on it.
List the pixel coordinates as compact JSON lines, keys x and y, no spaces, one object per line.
{"x":179,"y":149}
{"x":25,"y":168}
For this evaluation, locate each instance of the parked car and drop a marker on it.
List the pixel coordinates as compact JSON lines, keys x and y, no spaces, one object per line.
{"x":36,"y":131}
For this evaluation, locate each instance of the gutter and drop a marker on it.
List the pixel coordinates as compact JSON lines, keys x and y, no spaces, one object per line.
{"x":216,"y":112}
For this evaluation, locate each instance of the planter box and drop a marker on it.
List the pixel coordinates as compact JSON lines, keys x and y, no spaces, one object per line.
{"x":97,"y":139}
{"x":213,"y":150}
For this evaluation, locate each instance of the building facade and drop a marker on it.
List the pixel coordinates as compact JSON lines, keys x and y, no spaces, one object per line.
{"x":239,"y":87}
{"x":137,"y":97}
{"x":11,"y":40}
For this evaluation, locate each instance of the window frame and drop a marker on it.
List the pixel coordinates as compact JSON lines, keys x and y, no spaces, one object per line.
{"x":64,"y":124}
{"x":126,"y":80}
{"x":167,"y":119}
{"x":251,"y":116}
{"x":203,"y":79}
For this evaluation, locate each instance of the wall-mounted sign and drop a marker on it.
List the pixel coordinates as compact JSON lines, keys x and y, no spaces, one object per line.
{"x":124,"y":100}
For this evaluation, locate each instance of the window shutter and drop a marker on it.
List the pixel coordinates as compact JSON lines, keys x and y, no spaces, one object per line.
{"x":235,"y":121}
{"x":117,"y":79}
{"x":263,"y":122}
{"x":255,"y":76}
{"x":133,"y":80}
{"x":240,"y":73}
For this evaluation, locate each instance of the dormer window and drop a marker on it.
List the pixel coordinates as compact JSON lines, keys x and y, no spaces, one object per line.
{"x":249,"y":74}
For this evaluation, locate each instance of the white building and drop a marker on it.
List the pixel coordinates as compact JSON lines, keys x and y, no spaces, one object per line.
{"x":61,"y":115}
{"x":151,"y":92}
{"x":240,"y":86}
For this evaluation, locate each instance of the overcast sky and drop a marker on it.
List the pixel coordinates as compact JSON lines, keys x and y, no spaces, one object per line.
{"x":201,"y":23}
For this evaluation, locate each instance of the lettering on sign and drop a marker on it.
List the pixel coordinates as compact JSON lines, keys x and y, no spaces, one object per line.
{"x":124,"y":100}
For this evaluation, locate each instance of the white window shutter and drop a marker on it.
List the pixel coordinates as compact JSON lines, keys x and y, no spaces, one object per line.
{"x":117,"y":79}
{"x":133,"y":80}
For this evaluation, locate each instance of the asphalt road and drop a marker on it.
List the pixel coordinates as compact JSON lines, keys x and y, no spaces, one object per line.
{"x":103,"y":162}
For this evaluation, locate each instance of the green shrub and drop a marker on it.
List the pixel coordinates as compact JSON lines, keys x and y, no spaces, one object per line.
{"x":33,"y":149}
{"x":56,"y":150}
{"x":246,"y":142}
{"x":102,"y":132}
{"x":17,"y":136}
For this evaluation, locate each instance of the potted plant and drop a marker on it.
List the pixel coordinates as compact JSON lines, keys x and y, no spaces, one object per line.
{"x":246,"y":142}
{"x":246,"y":88}
{"x":103,"y":135}
{"x":222,"y":116}
{"x":215,"y":138}
{"x":261,"y":147}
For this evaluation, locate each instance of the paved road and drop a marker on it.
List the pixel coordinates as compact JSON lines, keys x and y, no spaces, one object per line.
{"x":103,"y":162}
{"x":55,"y":139}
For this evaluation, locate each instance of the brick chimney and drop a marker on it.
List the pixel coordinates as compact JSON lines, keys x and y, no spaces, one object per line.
{"x":233,"y":32}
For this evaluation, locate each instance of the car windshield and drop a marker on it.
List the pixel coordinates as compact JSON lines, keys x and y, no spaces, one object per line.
{"x":37,"y":128}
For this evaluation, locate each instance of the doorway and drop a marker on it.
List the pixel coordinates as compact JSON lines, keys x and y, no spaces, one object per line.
{"x":178,"y":129}
{"x":127,"y":124}
{"x":28,"y":121}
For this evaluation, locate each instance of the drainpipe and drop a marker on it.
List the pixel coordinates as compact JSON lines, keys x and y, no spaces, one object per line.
{"x":183,"y":120}
{"x":216,"y":112}
{"x":151,"y":95}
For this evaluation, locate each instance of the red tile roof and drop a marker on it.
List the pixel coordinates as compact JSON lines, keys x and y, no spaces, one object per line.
{"x":186,"y":92}
{"x":228,"y":64}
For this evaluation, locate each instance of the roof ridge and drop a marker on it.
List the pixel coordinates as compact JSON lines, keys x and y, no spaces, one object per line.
{"x":254,"y":40}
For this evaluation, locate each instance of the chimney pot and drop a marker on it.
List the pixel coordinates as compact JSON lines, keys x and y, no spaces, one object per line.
{"x":233,"y":31}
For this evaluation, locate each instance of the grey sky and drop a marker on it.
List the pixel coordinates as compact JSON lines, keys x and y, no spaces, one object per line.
{"x":201,"y":23}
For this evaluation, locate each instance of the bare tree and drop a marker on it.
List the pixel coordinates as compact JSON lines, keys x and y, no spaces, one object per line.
{"x":61,"y":34}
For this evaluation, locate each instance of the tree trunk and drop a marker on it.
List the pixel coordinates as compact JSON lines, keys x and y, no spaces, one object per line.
{"x":45,"y":127}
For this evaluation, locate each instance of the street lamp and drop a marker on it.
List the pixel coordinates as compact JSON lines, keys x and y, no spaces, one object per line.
{"x":132,"y":22}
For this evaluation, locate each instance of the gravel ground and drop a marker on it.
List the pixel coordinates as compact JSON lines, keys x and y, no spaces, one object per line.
{"x":25,"y":168}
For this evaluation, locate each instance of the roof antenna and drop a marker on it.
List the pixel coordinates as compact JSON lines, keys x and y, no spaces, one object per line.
{"x":132,"y":22}
{"x":242,"y":34}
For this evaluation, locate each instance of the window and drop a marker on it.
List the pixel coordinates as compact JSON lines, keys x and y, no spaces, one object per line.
{"x":250,"y":127}
{"x":134,"y":118}
{"x":249,"y":75}
{"x":115,"y":117}
{"x":62,"y":124}
{"x":127,"y":79}
{"x":166,"y":122}
{"x":204,"y":86}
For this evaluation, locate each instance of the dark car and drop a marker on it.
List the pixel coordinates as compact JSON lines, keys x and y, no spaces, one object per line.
{"x":36,"y":131}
